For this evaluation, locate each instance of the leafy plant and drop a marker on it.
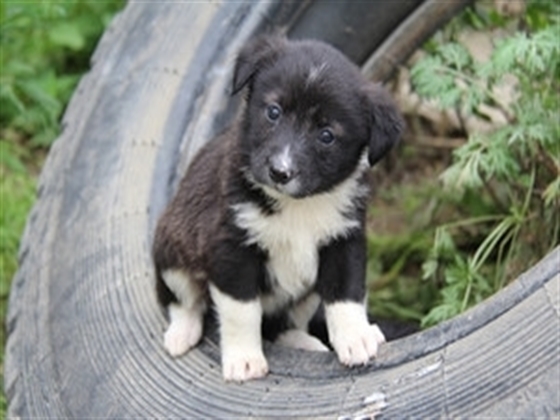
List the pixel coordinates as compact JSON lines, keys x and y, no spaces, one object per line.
{"x":46,"y":45}
{"x":17,"y":190}
{"x":515,"y":168}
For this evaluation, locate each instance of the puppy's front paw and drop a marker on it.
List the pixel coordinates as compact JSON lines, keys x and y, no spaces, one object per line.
{"x":352,"y":337}
{"x":240,"y":337}
{"x":240,"y":365}
{"x":357,"y":345}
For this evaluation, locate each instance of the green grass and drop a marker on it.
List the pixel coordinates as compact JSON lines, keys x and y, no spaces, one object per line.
{"x":17,"y":194}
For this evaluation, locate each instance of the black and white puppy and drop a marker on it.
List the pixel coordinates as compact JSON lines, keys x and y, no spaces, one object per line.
{"x":268,"y":221}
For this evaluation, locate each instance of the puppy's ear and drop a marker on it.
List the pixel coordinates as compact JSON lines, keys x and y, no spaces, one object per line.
{"x":386,"y":122}
{"x":257,"y":54}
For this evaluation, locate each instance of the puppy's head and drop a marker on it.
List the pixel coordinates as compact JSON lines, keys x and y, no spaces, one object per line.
{"x":311,"y":116}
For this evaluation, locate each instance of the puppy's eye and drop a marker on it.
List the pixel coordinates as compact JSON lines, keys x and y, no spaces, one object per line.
{"x":273,"y":112}
{"x":326,"y":137}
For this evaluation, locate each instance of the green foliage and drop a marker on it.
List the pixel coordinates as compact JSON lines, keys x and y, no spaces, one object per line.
{"x":45,"y":46}
{"x":396,"y":293}
{"x":515,"y":168}
{"x":17,"y":191}
{"x":396,"y":252}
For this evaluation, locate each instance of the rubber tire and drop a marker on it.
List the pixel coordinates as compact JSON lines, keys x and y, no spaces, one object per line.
{"x":85,"y":332}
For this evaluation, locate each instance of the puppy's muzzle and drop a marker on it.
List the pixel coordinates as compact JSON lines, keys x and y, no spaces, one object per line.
{"x":280,"y":170}
{"x":280,"y":175}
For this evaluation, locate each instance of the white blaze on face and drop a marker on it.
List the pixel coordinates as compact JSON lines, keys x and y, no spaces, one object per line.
{"x":314,"y":74}
{"x":287,"y":163}
{"x":285,"y":160}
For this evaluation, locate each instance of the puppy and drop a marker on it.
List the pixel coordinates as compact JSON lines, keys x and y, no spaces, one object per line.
{"x":268,"y":221}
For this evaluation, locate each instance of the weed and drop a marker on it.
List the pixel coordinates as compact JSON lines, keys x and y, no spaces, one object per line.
{"x":515,"y":167}
{"x":45,"y":47}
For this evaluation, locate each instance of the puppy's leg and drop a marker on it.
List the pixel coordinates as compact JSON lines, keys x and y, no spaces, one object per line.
{"x":341,"y":282}
{"x":300,"y":315}
{"x":186,"y":316}
{"x":240,"y":337}
{"x":350,"y":333}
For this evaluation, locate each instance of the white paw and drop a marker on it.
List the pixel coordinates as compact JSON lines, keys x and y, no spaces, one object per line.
{"x":352,"y":337}
{"x":358,"y":345}
{"x":240,"y":337}
{"x":240,"y":365}
{"x":299,"y":339}
{"x":184,"y":331}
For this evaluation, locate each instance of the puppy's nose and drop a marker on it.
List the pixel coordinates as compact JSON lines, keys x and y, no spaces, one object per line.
{"x":280,"y":175}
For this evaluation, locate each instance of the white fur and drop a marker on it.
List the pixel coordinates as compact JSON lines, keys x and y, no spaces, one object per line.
{"x":352,"y":337}
{"x":284,"y":162}
{"x":240,"y":337}
{"x":293,"y":234}
{"x":182,"y":286}
{"x":303,"y":311}
{"x":186,"y":317}
{"x":314,"y":73}
{"x":184,"y":331}
{"x":301,"y":340}
{"x":285,"y":158}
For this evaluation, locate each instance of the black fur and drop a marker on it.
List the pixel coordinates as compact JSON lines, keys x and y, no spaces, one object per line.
{"x":342,"y":269}
{"x":309,"y":120}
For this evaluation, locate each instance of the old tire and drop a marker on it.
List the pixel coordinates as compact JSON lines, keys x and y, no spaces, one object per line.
{"x":84,"y":327}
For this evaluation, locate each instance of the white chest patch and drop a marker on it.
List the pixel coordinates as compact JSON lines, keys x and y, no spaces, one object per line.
{"x":293,"y":235}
